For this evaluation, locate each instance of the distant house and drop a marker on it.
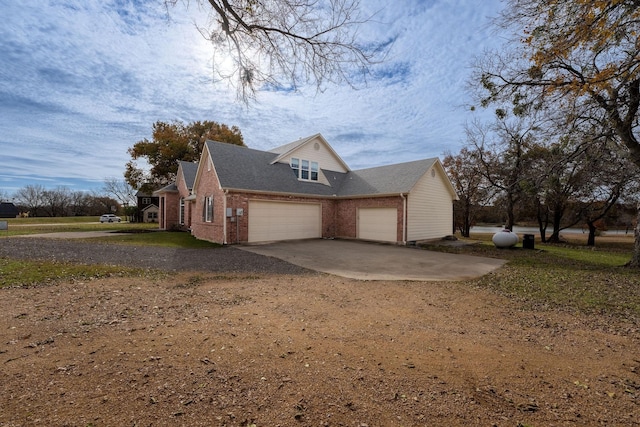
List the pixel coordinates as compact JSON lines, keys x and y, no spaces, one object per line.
{"x":146,"y":204}
{"x":305,"y":190}
{"x":8,"y":210}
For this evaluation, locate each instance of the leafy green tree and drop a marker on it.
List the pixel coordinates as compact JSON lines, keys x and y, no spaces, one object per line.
{"x":172,"y":142}
{"x":577,"y":58}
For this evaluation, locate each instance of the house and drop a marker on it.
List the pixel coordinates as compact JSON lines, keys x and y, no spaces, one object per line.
{"x":178,"y":194}
{"x":8,"y":210}
{"x":305,"y":190}
{"x":147,"y":207}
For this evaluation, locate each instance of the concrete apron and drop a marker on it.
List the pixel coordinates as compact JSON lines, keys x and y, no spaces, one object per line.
{"x":371,"y":261}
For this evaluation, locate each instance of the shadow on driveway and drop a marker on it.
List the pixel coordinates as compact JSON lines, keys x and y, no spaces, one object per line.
{"x":371,"y":261}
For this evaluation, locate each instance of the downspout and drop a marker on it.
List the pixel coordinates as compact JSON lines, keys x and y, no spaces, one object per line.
{"x":404,"y":219}
{"x":224,"y":216}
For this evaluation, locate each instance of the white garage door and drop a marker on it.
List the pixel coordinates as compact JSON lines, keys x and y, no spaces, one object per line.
{"x":269,"y":221}
{"x":378,"y":224}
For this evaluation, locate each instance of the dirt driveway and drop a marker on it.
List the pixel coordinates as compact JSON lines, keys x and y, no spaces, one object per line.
{"x":300,"y":349}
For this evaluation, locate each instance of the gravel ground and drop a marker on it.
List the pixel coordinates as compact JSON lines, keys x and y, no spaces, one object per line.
{"x":226,"y":259}
{"x":277,"y":345}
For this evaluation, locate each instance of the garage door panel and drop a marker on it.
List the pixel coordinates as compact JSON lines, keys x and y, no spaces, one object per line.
{"x":378,"y":224}
{"x":270,"y":221}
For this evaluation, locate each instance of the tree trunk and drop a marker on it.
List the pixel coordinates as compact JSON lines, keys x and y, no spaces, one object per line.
{"x":543,"y":233}
{"x":510,"y":214}
{"x":591,"y":240}
{"x":543,"y":221}
{"x":635,"y":258}
{"x":466,"y":221}
{"x":557,"y":216}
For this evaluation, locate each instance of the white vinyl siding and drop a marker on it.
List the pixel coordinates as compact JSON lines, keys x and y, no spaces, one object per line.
{"x":379,"y":224}
{"x":322,"y":155}
{"x":273,"y":221}
{"x":429,"y":208}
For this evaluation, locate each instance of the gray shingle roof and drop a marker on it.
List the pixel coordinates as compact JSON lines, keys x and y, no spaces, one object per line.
{"x":242,"y":168}
{"x":166,"y":189}
{"x":391,"y":179}
{"x":189,"y":170}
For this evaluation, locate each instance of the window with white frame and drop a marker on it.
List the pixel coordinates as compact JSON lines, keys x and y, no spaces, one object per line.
{"x":207,"y":209}
{"x":304,"y":169}
{"x":181,"y":219}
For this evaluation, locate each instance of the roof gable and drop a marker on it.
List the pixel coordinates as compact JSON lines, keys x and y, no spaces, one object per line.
{"x":313,"y":148}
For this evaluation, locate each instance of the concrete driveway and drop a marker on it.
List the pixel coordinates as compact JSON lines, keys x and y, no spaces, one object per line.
{"x":371,"y":261}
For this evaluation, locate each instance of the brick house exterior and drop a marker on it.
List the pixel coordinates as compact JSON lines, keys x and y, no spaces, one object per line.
{"x":305,"y":190}
{"x":176,"y":200}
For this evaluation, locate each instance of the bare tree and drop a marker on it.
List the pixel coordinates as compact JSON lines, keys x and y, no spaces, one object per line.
{"x":32,"y":198}
{"x":281,"y":44}
{"x":501,"y":153}
{"x":56,"y":201}
{"x":120,"y":190}
{"x":465,"y":174}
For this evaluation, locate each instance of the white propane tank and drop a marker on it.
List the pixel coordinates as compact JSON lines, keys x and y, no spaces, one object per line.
{"x":505,"y":239}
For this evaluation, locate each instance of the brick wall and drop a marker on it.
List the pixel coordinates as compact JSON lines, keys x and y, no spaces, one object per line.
{"x":169,"y":215}
{"x":208,"y":185}
{"x":238,"y":231}
{"x":339,"y":217}
{"x":347,"y":214}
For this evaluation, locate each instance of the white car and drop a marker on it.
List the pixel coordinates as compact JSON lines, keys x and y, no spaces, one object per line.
{"x":110,"y":218}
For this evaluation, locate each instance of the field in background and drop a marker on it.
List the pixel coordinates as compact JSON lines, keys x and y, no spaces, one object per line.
{"x":39,"y":225}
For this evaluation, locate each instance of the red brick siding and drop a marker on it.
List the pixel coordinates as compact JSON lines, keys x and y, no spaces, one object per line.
{"x":339,"y":217}
{"x":238,"y":232}
{"x":347,"y":214}
{"x":169,"y":216}
{"x":208,"y":185}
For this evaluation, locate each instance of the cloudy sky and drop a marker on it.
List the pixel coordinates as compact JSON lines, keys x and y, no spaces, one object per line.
{"x":82,"y":80}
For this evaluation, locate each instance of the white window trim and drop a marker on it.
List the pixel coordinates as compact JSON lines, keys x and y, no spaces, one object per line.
{"x":208,"y":209}
{"x":313,"y":169}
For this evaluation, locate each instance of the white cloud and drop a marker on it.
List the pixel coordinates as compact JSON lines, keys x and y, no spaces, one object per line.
{"x":82,"y":81}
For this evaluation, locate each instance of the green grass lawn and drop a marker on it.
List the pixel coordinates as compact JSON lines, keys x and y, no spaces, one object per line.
{"x":568,"y":276}
{"x":27,"y":273}
{"x":40,"y":225}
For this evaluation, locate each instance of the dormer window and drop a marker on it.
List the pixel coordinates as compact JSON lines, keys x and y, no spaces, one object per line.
{"x":304,"y":169}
